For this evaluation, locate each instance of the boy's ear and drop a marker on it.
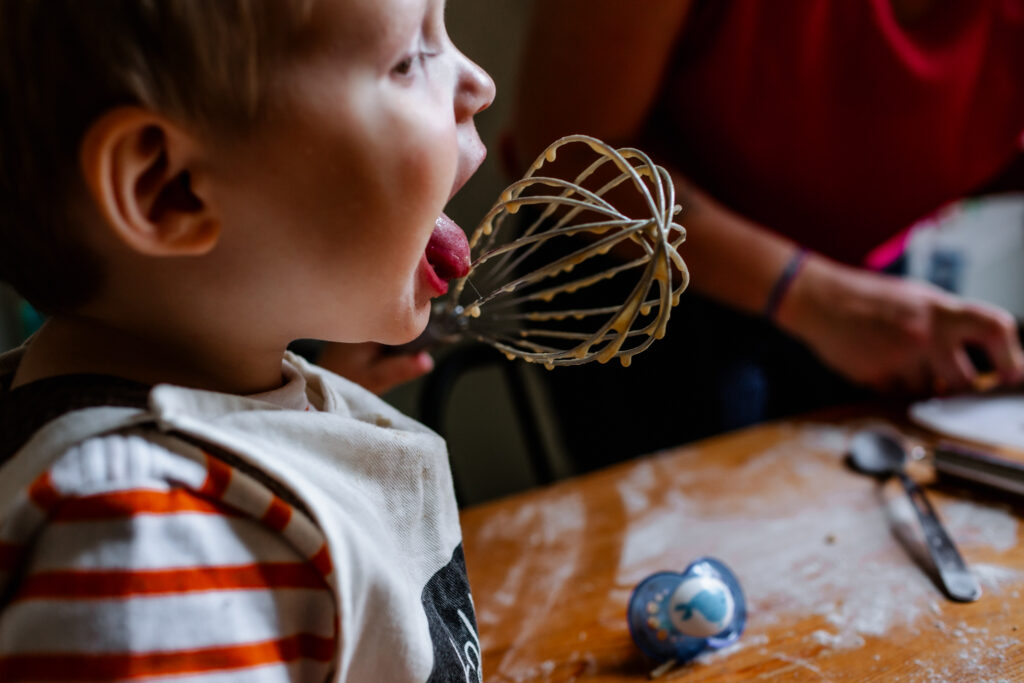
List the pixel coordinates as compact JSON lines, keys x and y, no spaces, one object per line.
{"x":139,"y":169}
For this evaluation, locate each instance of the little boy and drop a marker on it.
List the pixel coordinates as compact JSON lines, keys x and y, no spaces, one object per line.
{"x":186,"y":187}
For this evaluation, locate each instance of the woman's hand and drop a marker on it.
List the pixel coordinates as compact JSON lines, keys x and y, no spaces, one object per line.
{"x":897,"y":335}
{"x":369,"y":365}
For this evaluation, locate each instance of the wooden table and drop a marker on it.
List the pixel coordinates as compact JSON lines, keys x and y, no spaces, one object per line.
{"x":837,"y":580}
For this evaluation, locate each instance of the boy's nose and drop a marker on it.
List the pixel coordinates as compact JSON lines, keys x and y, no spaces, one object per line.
{"x":475,"y":90}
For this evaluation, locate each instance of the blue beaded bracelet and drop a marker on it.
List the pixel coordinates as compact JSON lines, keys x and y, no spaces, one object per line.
{"x":782,"y":284}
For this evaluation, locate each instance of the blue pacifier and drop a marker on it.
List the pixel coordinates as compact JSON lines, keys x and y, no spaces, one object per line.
{"x":676,"y":616}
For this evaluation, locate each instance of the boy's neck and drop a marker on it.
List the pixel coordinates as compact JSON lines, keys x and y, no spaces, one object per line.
{"x":72,"y":345}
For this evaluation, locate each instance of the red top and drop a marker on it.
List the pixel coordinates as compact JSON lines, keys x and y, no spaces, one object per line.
{"x":831,"y":123}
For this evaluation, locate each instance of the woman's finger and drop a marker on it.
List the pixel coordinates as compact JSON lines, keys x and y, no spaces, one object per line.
{"x":996,"y":332}
{"x":952,"y":371}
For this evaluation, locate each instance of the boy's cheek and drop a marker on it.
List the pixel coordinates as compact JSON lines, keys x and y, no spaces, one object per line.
{"x":428,"y":176}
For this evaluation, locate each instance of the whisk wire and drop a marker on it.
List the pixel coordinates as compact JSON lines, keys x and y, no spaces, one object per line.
{"x":567,"y":210}
{"x":563,"y":264}
{"x":591,"y":202}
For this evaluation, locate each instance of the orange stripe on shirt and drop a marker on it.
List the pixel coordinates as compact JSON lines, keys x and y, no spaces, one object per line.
{"x":277,"y":515}
{"x":101,"y":584}
{"x":42,"y":493}
{"x":218,"y":476}
{"x":102,"y":667}
{"x":120,"y":504}
{"x":322,"y":561}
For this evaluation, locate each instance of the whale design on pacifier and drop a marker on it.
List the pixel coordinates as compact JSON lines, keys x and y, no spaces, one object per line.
{"x":674,"y":616}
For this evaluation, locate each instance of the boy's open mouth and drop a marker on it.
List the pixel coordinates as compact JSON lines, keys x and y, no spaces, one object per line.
{"x":447,"y":252}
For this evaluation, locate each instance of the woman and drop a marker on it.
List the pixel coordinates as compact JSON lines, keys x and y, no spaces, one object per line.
{"x":801,"y":136}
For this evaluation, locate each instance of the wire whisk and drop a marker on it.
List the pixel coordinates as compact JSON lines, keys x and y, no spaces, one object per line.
{"x":524,"y":294}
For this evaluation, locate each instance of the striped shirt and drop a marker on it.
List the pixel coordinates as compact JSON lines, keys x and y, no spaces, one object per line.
{"x":136,"y":558}
{"x":169,"y":533}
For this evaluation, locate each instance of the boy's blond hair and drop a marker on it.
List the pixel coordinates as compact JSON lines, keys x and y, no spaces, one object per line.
{"x":64,"y":62}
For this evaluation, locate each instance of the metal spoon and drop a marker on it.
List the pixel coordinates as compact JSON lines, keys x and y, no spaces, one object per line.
{"x":882,"y":455}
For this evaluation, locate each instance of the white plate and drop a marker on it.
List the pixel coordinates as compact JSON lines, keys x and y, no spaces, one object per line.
{"x":996,"y":419}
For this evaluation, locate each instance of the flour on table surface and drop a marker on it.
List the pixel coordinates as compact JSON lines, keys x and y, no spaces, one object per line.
{"x":843,"y":552}
{"x":553,"y":529}
{"x":744,"y":643}
{"x":992,"y":525}
{"x":804,"y":534}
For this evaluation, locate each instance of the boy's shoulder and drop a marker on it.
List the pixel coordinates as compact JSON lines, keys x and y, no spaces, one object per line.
{"x":173,"y":552}
{"x":68,"y":443}
{"x":27,"y":409}
{"x":141,"y":471}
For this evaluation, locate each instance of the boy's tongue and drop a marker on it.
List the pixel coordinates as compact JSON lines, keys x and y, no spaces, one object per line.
{"x":448,"y":249}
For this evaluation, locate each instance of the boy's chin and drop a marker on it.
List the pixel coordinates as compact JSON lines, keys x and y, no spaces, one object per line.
{"x":416,"y":328}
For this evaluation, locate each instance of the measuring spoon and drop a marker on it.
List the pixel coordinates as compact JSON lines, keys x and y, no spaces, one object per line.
{"x":882,"y":455}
